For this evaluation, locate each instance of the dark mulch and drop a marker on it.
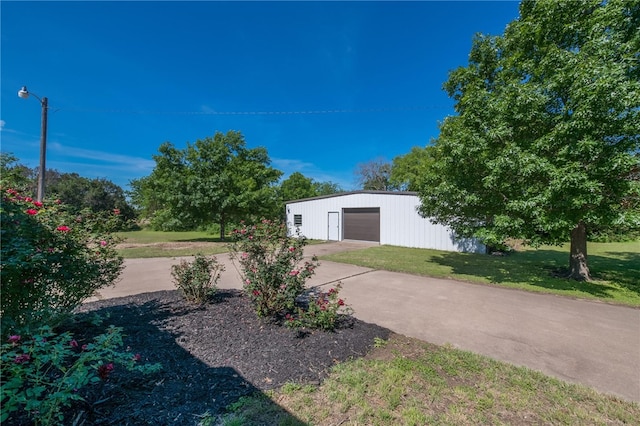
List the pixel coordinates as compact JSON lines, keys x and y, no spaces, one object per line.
{"x":211,"y":355}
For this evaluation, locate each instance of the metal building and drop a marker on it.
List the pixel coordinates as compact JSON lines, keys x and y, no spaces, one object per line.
{"x":386,"y":217}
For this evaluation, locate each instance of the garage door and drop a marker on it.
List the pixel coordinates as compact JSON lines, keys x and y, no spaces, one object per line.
{"x":362,"y":224}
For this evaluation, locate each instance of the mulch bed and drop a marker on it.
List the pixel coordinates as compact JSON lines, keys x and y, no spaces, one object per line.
{"x":211,"y":355}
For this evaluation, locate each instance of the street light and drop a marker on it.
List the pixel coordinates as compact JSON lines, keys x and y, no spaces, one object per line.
{"x":44,"y":102}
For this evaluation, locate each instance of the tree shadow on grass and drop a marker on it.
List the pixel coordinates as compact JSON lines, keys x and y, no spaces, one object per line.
{"x":202,"y":240}
{"x":187,"y":391}
{"x":544,"y":269}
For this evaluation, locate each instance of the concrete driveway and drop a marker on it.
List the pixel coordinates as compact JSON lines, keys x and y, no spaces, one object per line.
{"x":579,"y":341}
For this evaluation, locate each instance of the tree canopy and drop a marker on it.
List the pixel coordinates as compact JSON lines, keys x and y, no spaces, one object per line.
{"x":97,"y":195}
{"x":298,"y":186}
{"x":214,"y":180}
{"x":326,"y":188}
{"x":547,"y":132}
{"x":375,"y":175}
{"x":407,"y":169}
{"x":13,"y":174}
{"x":78,"y":193}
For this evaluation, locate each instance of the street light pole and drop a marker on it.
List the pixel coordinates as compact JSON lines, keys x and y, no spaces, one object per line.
{"x":44,"y":102}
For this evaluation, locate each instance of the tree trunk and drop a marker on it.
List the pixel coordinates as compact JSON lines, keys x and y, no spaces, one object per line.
{"x":222,"y":230}
{"x":578,"y":268}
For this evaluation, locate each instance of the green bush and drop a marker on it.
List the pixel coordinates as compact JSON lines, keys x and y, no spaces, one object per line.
{"x":615,"y":236}
{"x":272,"y":266}
{"x":50,"y":261}
{"x":198,"y":279}
{"x":322,"y":312}
{"x":46,"y":372}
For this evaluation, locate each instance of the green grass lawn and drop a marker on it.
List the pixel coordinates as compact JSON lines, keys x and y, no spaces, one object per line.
{"x":147,"y":236}
{"x":408,"y":382}
{"x":615,"y":268}
{"x":146,"y":243}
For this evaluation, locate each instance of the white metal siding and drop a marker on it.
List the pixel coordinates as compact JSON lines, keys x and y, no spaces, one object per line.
{"x":400,"y":223}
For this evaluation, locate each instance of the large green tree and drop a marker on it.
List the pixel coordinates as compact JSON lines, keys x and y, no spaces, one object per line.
{"x":547,"y":132}
{"x":214,"y":180}
{"x":407,"y":169}
{"x":96,"y":195}
{"x":78,"y":193}
{"x":297,"y":186}
{"x":326,"y":188}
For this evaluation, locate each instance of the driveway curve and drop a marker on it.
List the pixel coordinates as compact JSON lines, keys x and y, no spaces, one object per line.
{"x":580,"y":341}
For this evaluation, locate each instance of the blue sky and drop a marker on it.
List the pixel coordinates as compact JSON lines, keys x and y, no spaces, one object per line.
{"x":124,"y":77}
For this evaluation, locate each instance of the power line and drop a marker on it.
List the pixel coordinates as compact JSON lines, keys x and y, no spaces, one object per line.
{"x":303,"y":112}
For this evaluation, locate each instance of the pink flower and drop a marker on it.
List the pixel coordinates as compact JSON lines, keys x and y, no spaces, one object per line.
{"x":28,"y":199}
{"x":20,"y":359}
{"x":14,"y":338}
{"x":32,"y":212}
{"x":245,"y":255}
{"x":340,"y":302}
{"x":104,"y":370}
{"x":103,"y":243}
{"x":58,"y":201}
{"x":256,"y":293}
{"x":247,"y":281}
{"x":74,"y":343}
{"x":292,"y":248}
{"x":116,"y":211}
{"x":294,"y":273}
{"x":63,"y":228}
{"x":38,"y":203}
{"x":136,"y":357}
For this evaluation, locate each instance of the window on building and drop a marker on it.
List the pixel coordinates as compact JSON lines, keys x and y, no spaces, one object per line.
{"x":297,"y":220}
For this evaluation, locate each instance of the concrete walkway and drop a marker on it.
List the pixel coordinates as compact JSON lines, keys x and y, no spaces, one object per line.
{"x":579,"y":341}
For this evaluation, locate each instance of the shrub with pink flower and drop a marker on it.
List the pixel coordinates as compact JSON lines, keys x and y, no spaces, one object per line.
{"x":323,"y":311}
{"x":49,"y":262}
{"x":44,"y":372}
{"x":272,"y":265}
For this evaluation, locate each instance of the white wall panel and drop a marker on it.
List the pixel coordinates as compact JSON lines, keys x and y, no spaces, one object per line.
{"x":400,"y":223}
